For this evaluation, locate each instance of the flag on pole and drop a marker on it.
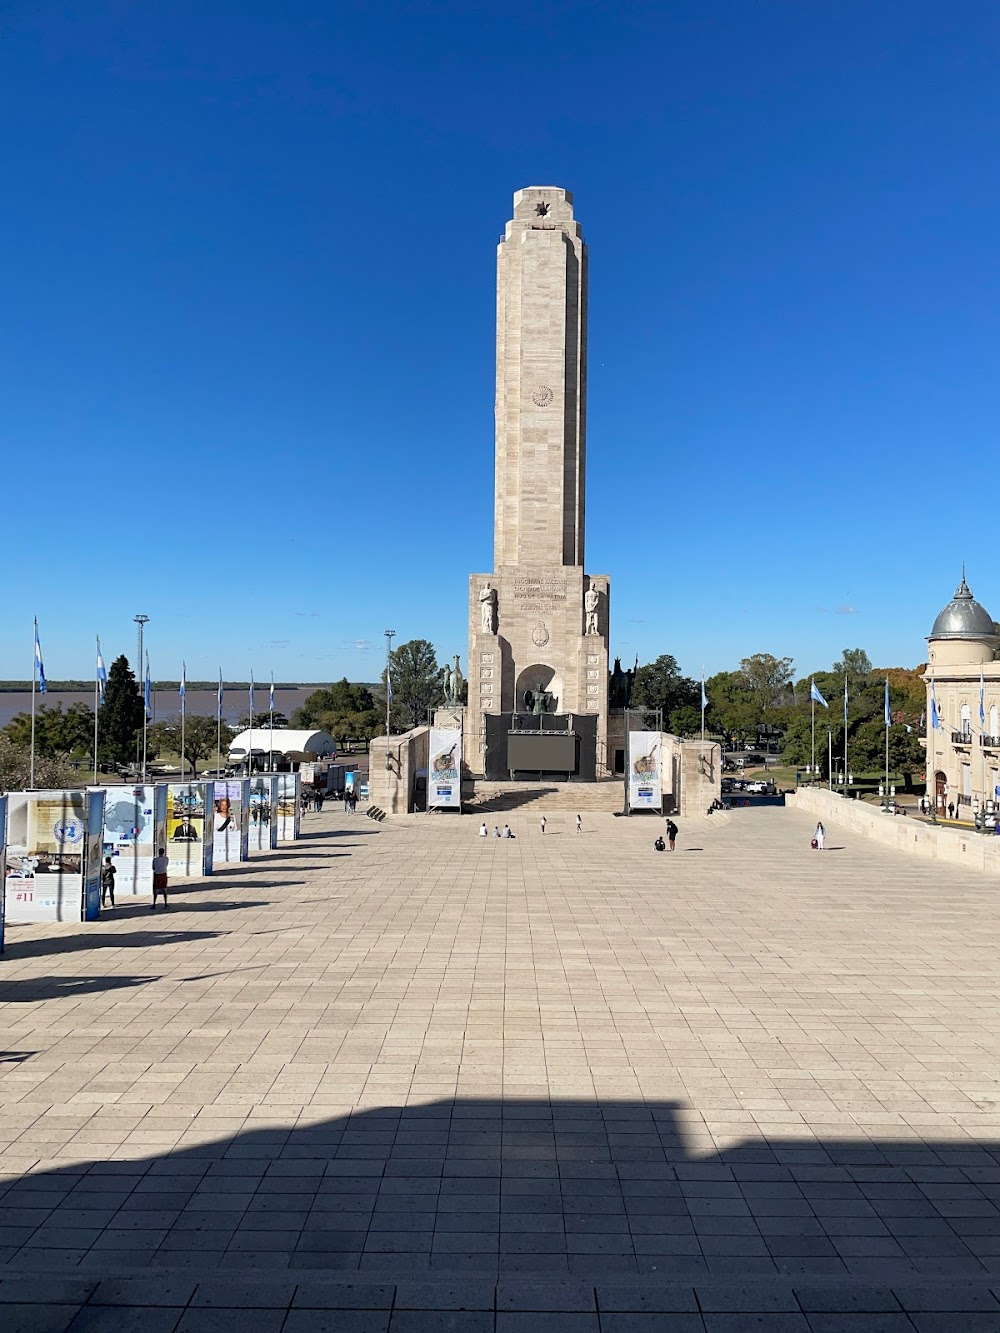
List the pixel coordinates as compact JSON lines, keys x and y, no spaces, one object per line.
{"x":42,"y":687}
{"x":270,"y":697}
{"x":888,"y":715}
{"x":183,"y":687}
{"x":221,"y":692}
{"x":923,"y":719}
{"x":845,"y":701}
{"x":146,"y":692}
{"x":982,"y":699}
{"x":704,"y":696}
{"x":815,"y":695}
{"x":935,"y":715}
{"x":102,"y":672}
{"x":251,"y":698}
{"x":388,"y":684}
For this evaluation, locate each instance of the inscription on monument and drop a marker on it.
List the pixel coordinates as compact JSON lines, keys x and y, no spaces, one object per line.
{"x":542,"y":593}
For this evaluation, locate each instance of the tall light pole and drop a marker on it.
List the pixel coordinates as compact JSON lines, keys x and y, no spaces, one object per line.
{"x":142,"y":622}
{"x":390,"y":634}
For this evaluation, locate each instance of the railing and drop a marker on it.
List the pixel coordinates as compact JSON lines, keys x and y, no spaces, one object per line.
{"x":990,"y":742}
{"x":961,"y":738}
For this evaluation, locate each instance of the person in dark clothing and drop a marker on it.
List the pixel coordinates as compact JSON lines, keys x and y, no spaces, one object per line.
{"x":108,"y":881}
{"x":659,"y":845}
{"x":671,"y":834}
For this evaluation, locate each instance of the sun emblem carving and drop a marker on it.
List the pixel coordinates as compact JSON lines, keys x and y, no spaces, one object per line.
{"x":542,"y":395}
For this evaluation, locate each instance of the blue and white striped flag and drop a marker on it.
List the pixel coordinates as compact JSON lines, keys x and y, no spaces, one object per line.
{"x":704,"y":696}
{"x":888,"y":715}
{"x":815,"y":695}
{"x":935,"y":715}
{"x":270,"y":697}
{"x":42,"y":687}
{"x":388,"y":684}
{"x":251,"y":698}
{"x":183,"y":688}
{"x":146,"y":691}
{"x":221,"y":693}
{"x":102,"y":672}
{"x":845,"y":700}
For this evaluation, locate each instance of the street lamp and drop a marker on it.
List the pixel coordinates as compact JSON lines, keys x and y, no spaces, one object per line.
{"x":390,"y":634}
{"x":142,"y":622}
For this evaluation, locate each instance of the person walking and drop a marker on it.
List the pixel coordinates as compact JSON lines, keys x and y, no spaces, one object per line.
{"x":671,"y":834}
{"x":541,"y":824}
{"x":320,"y":798}
{"x":160,"y":863}
{"x":108,"y":881}
{"x":819,"y":837}
{"x":951,"y":809}
{"x":579,"y":824}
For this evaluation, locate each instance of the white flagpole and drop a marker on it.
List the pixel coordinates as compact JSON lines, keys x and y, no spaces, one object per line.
{"x":931,"y":780}
{"x":845,"y":733}
{"x":888,"y":715}
{"x":829,"y":758}
{"x":34,"y":673}
{"x":96,"y":707}
{"x":812,"y":701}
{"x":250,"y":741}
{"x":218,"y":727}
{"x":183,"y":716}
{"x":145,"y":717}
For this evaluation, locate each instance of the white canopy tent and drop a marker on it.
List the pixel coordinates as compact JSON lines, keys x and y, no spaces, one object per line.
{"x":294,"y":746}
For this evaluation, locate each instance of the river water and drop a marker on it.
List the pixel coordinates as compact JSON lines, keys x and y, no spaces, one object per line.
{"x":166,"y":704}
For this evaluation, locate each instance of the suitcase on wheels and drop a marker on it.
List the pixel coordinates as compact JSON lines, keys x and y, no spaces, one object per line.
{"x":814,"y":844}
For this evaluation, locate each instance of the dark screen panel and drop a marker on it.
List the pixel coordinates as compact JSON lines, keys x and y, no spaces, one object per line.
{"x":541,"y":752}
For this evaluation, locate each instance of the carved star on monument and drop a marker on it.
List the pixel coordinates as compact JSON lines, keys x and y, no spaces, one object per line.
{"x":542,"y":209}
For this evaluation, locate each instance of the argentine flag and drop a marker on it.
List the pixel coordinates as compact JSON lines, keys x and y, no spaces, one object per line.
{"x":221,"y":692}
{"x":815,"y":695}
{"x":183,"y":686}
{"x":935,"y":715}
{"x":251,"y":699}
{"x":146,"y":692}
{"x":102,"y":673}
{"x":270,"y":697}
{"x":42,"y":687}
{"x":888,"y":715}
{"x":704,"y":696}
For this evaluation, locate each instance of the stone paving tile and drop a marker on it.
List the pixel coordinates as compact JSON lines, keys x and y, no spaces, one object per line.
{"x":391,"y":1054}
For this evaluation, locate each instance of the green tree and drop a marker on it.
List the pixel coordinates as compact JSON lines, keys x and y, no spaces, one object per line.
{"x":766,"y":680}
{"x":56,"y":733}
{"x":263,"y":721}
{"x":201,"y":737}
{"x":855,"y":662}
{"x":659,"y":684}
{"x":345,"y":710}
{"x":685,"y":721}
{"x":417,"y":683}
{"x":730,"y":711}
{"x":119,"y":717}
{"x":15,"y":768}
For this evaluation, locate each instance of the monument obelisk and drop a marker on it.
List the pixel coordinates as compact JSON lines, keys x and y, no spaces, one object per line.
{"x":538,"y":624}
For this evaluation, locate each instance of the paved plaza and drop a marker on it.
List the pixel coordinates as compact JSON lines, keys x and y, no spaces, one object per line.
{"x":400,"y":1077}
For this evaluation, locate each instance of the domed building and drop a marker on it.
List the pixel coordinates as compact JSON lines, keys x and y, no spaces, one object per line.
{"x":963,"y":694}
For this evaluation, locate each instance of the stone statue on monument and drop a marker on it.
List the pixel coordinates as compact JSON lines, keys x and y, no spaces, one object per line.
{"x":453,"y":683}
{"x":540,"y":701}
{"x":591,"y":604}
{"x":488,"y":606}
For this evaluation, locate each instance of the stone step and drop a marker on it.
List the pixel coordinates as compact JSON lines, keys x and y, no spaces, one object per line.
{"x":542,"y":797}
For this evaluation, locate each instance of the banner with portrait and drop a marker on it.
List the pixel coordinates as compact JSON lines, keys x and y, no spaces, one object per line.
{"x":229,"y":821}
{"x":189,"y":829}
{"x":131,"y":818}
{"x":645,"y":789}
{"x":46,"y":847}
{"x":289,"y":798}
{"x":444,"y":769}
{"x":93,"y":855}
{"x":262,"y":823}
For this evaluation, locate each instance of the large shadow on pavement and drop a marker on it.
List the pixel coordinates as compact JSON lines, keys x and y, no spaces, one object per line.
{"x":590,"y":1190}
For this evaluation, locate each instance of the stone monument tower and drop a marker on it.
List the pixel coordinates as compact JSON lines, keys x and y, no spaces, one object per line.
{"x":538,"y":624}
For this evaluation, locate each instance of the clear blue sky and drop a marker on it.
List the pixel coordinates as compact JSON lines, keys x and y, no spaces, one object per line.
{"x":247,"y":343}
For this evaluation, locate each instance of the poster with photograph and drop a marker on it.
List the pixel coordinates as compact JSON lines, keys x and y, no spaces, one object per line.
{"x":289,"y":797}
{"x":93,"y":856}
{"x":46,"y":844}
{"x":644,"y":782}
{"x":189,"y":850}
{"x":444,"y":770}
{"x":262,"y":824}
{"x":229,"y":822}
{"x":130,"y":826}
{"x":3,"y":862}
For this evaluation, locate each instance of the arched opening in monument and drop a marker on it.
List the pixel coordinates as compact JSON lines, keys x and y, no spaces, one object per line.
{"x":539,"y":689}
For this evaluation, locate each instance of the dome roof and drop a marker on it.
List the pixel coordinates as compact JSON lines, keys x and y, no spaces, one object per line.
{"x":964,"y":618}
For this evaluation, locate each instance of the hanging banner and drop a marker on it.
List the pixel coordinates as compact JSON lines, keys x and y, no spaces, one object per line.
{"x":229,"y":821}
{"x":189,"y":831}
{"x":93,"y":855}
{"x":46,"y":843}
{"x":262,"y":825}
{"x":130,"y":836}
{"x":444,"y":770}
{"x":644,"y":782}
{"x":3,"y":863}
{"x":289,"y":798}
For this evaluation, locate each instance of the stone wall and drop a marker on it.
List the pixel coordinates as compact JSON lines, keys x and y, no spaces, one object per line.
{"x":976,"y":851}
{"x":701,"y":776}
{"x":391,"y":787}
